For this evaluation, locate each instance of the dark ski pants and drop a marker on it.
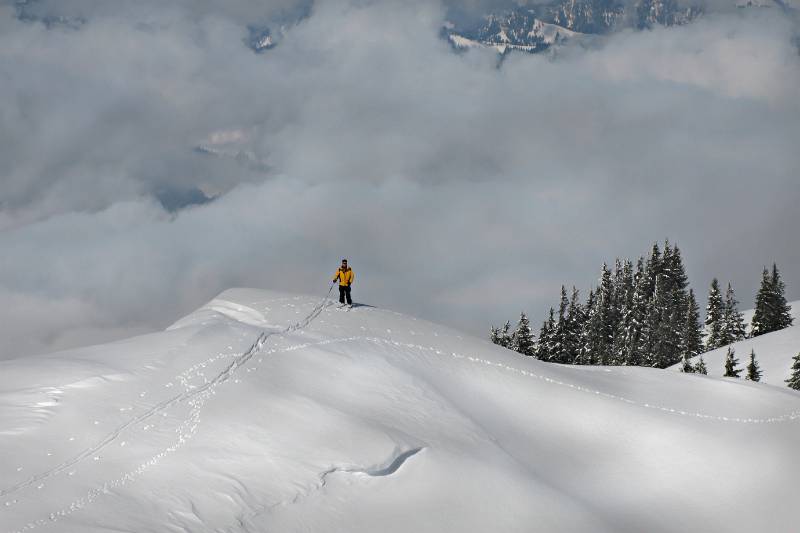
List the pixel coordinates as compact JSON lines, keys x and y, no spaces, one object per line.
{"x":344,"y":292}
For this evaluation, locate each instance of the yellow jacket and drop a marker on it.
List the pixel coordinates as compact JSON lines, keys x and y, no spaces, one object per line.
{"x":345,"y":277}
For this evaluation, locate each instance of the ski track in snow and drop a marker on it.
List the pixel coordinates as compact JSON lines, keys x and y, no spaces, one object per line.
{"x":196,"y":396}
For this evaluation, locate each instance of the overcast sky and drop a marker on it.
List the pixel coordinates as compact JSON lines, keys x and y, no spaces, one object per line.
{"x":461,"y":192}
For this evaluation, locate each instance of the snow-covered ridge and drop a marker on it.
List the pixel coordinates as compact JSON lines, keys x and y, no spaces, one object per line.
{"x":538,"y":36}
{"x":268,"y":411}
{"x":542,"y":34}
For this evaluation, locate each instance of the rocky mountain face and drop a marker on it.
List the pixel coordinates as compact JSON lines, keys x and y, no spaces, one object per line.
{"x":535,"y":29}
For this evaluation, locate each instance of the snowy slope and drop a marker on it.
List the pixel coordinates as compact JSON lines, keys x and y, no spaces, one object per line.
{"x":774,"y":351}
{"x":367,"y":420}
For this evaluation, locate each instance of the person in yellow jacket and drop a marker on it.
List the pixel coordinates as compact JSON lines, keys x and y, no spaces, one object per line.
{"x":345,"y":276}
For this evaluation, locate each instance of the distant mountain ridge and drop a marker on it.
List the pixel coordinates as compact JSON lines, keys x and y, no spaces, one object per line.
{"x":536,"y":29}
{"x":530,"y":28}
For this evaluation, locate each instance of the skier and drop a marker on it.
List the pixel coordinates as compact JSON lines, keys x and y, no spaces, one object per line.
{"x":345,"y":276}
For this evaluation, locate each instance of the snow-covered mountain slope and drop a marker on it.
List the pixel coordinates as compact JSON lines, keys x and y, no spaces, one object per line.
{"x":774,"y":351}
{"x":536,"y":28}
{"x":367,"y":420}
{"x":535,"y":36}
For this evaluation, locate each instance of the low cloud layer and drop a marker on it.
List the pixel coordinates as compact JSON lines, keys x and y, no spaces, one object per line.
{"x":462,"y":191}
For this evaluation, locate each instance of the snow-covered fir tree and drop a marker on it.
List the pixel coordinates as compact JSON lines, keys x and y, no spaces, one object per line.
{"x":593,"y":332}
{"x":692,"y":334}
{"x":598,"y":334}
{"x":501,"y":336}
{"x":663,"y":329}
{"x":794,"y":379}
{"x":783,"y":311}
{"x":606,"y":319}
{"x":762,"y":317}
{"x":585,"y":343}
{"x":633,"y":323}
{"x":753,"y":370}
{"x":686,"y":365}
{"x":730,"y":364}
{"x":714,"y":314}
{"x":561,"y":337}
{"x":674,"y":277}
{"x":772,"y":311}
{"x":494,"y":335}
{"x":523,"y":341}
{"x":733,"y":328}
{"x":652,"y":270}
{"x":575,"y":321}
{"x":700,"y":367}
{"x":544,"y":345}
{"x":624,"y":292}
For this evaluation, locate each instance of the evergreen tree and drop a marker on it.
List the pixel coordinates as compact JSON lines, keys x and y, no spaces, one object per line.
{"x":624,"y":289}
{"x":494,"y":335}
{"x":606,"y":319}
{"x":700,"y":367}
{"x":652,"y":270}
{"x":730,"y":364}
{"x":794,"y":380}
{"x":762,"y":315}
{"x":634,"y":323}
{"x":598,"y":332}
{"x":544,"y":346}
{"x":714,"y":315}
{"x":676,"y":273}
{"x":733,"y":328}
{"x":575,"y":321}
{"x":625,"y":284}
{"x":662,"y":329}
{"x":772,"y":312}
{"x":501,"y":336}
{"x":561,"y":340}
{"x":753,"y":370}
{"x":676,"y":281}
{"x":782,"y":309}
{"x":585,"y":356}
{"x":600,"y":325}
{"x":686,"y":364}
{"x":523,"y":341}
{"x":691,"y":337}
{"x":506,"y":335}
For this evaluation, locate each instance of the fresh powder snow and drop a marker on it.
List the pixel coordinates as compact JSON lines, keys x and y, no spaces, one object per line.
{"x":265,"y":411}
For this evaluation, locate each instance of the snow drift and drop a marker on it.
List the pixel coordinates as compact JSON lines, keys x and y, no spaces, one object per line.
{"x":367,"y":420}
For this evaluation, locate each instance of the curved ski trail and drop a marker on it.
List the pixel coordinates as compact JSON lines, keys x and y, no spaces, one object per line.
{"x":187,"y":395}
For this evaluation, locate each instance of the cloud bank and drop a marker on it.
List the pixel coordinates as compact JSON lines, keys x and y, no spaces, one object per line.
{"x":462,"y":191}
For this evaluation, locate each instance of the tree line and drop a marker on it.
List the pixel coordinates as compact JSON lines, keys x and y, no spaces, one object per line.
{"x":646,"y":315}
